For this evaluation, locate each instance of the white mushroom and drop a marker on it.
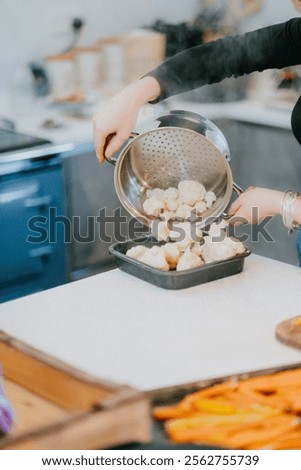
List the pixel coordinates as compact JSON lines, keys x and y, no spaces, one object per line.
{"x":171,"y":204}
{"x":184,"y":211}
{"x":197,"y":249}
{"x":167,"y":215}
{"x":160,"y":230}
{"x":172,"y":254}
{"x":191,"y":191}
{"x":198,"y":232}
{"x":153,"y":207}
{"x":210,"y":197}
{"x":156,"y":193}
{"x":217,"y":250}
{"x":155,"y":257}
{"x":182,"y":233}
{"x":189,"y":260}
{"x":237,"y":245}
{"x":217,"y":230}
{"x":136,"y":251}
{"x":200,"y":207}
{"x":171,"y":193}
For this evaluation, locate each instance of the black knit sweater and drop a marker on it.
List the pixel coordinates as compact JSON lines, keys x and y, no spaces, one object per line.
{"x":276,"y":46}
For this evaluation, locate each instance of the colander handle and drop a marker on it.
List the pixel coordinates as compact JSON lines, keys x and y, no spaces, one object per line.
{"x":238,"y":190}
{"x":113,"y":159}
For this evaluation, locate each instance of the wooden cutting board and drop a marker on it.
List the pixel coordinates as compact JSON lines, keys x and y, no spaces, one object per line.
{"x":289,"y":332}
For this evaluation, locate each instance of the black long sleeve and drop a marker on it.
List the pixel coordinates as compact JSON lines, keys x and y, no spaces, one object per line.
{"x":274,"y":46}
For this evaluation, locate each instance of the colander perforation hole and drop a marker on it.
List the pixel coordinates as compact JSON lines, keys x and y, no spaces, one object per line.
{"x":164,"y":157}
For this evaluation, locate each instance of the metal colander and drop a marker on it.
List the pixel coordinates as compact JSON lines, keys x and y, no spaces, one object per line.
{"x":162,"y":157}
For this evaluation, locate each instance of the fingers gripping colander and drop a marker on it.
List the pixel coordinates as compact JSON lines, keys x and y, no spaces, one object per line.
{"x":162,"y":157}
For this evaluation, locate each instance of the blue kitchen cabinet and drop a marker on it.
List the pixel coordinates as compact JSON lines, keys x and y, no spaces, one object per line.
{"x":32,"y":244}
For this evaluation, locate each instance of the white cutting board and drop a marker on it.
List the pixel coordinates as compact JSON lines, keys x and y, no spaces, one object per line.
{"x":120,"y":328}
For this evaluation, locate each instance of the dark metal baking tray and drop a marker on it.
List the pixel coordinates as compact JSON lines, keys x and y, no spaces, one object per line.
{"x":173,"y":279}
{"x":169,"y":396}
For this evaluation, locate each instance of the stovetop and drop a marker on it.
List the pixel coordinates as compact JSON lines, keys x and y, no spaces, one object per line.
{"x":12,"y":140}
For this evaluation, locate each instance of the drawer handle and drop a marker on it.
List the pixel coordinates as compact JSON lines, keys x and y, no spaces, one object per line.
{"x":40,"y":251}
{"x":38,"y":201}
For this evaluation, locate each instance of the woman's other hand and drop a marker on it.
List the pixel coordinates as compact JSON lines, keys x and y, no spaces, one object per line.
{"x":114,"y":123}
{"x":254,"y":205}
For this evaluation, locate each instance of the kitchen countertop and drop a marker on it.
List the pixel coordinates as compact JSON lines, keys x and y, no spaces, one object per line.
{"x":269,"y":113}
{"x":79,"y":130}
{"x":122,"y":329}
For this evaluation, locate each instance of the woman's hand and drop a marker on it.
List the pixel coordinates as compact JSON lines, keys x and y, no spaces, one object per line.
{"x":254,"y":205}
{"x":117,"y":119}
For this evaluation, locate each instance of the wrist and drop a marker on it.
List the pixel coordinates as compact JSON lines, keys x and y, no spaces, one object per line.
{"x":297,"y":210}
{"x":277,"y":198}
{"x":150,"y":89}
{"x":290,"y":209}
{"x":142,"y":91}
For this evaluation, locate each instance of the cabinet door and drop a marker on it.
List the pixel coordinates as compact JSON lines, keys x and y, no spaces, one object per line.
{"x":268,"y":157}
{"x":16,"y":261}
{"x":97,"y":216}
{"x":29,"y":264}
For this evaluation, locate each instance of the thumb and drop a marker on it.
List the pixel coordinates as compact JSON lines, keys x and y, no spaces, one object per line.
{"x":234,"y":207}
{"x":106,"y":144}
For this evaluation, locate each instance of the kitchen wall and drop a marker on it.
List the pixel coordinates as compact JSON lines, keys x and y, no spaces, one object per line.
{"x":273,"y":11}
{"x":32,"y":29}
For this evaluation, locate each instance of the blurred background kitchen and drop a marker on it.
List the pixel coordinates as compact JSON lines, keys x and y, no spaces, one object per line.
{"x":61,"y":59}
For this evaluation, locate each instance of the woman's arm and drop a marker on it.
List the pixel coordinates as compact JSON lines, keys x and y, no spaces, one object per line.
{"x":257,"y":203}
{"x":274,"y":46}
{"x":271,"y":47}
{"x":118,"y":117}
